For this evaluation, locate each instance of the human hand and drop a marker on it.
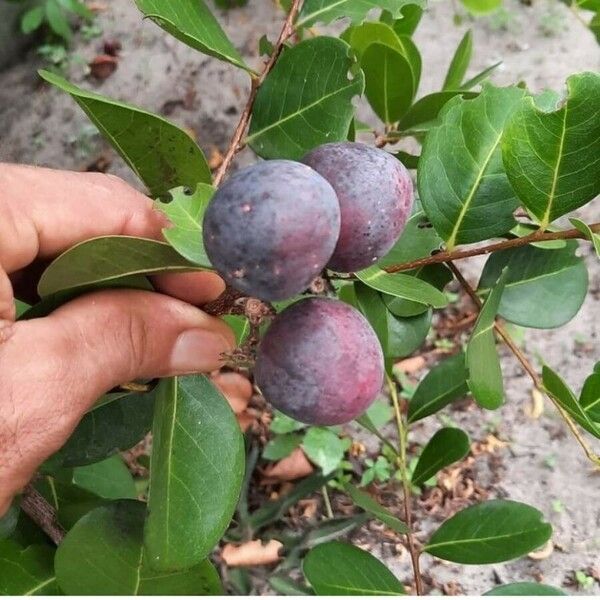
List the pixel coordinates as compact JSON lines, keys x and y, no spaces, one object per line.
{"x":53,"y":369}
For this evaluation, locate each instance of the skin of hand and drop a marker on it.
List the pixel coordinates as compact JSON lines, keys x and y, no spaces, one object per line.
{"x":53,"y":369}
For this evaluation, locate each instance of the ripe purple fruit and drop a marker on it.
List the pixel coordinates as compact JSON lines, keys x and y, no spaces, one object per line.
{"x":375,"y":192}
{"x":271,"y":228}
{"x":320,"y":362}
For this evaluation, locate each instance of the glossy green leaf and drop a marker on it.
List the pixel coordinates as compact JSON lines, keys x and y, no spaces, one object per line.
{"x":407,"y":334}
{"x":108,"y":429}
{"x":589,"y":234}
{"x":283,"y":424}
{"x":428,"y":108}
{"x":543,"y":288}
{"x":491,"y":532}
{"x":326,"y":11}
{"x":402,"y":286}
{"x":460,"y":63}
{"x":103,"y":555}
{"x":186,"y":212}
{"x":406,"y":24}
{"x":481,"y":7}
{"x":297,"y":108}
{"x":389,"y":83}
{"x":523,"y":229}
{"x":281,"y":446}
{"x":368,"y":503}
{"x":371,"y":304}
{"x":462,"y":184}
{"x":108,"y":479}
{"x":340,"y":569}
{"x":27,"y":571}
{"x":57,"y":20}
{"x":443,"y":384}
{"x":192,"y":23}
{"x":485,"y":374}
{"x":196,"y":472}
{"x":159,"y":153}
{"x":448,"y":445}
{"x":32,"y":19}
{"x":562,"y":393}
{"x":589,"y":398}
{"x":105,"y":259}
{"x":552,"y":158}
{"x":525,"y":588}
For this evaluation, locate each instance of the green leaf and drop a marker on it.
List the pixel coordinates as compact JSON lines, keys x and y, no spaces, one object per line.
{"x":402,"y":286}
{"x":296,"y":101}
{"x":408,"y":22}
{"x":57,"y":20}
{"x":444,"y":383}
{"x":26,"y":571}
{"x":104,"y":259}
{"x":326,"y":11}
{"x":552,"y":158}
{"x":589,"y":234}
{"x":428,"y":108}
{"x":108,"y":429}
{"x":102,"y":555}
{"x":77,"y":8}
{"x":281,"y":446}
{"x":340,"y":569}
{"x":543,"y":288}
{"x":192,"y":23}
{"x":197,"y":468}
{"x":590,"y":396}
{"x":186,"y":212}
{"x":448,"y":445}
{"x":32,"y":19}
{"x":9,"y":521}
{"x":380,"y":412}
{"x":562,"y":393}
{"x":371,"y":304}
{"x":324,"y":448}
{"x":485,"y":374}
{"x":460,"y":63}
{"x":108,"y":479}
{"x":525,"y":588}
{"x":481,"y":7}
{"x":368,"y":503}
{"x":490,"y":532}
{"x":407,"y":334}
{"x":462,"y":184}
{"x":481,"y":76}
{"x":388,"y":82}
{"x":159,"y":153}
{"x":283,"y":424}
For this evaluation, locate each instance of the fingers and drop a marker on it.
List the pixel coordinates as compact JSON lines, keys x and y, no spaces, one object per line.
{"x":195,"y":288}
{"x":52,"y":370}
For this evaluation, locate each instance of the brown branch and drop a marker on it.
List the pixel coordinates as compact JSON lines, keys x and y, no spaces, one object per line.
{"x":445,"y":256}
{"x":527,"y":367}
{"x":257,"y":80}
{"x":36,"y":507}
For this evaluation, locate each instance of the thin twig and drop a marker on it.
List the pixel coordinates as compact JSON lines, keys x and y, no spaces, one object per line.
{"x":528,"y":367}
{"x":327,"y":501}
{"x":37,"y":508}
{"x":257,"y":80}
{"x":445,"y":256}
{"x":402,"y":442}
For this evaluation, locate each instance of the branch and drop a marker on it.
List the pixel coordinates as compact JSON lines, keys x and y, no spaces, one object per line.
{"x":445,"y":256}
{"x":235,"y":144}
{"x":35,"y":506}
{"x":528,"y":367}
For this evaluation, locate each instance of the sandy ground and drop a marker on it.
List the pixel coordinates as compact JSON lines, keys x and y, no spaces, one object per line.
{"x":542,"y":45}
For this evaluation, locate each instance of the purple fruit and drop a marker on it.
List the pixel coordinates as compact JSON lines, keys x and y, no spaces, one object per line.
{"x":376,"y":197}
{"x":271,"y":228}
{"x":320,"y":362}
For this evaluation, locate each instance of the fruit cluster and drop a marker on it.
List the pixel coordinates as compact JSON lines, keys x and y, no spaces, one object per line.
{"x":271,"y":229}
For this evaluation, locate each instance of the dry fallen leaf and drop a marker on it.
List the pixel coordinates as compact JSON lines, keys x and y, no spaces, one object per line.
{"x":103,"y":66}
{"x":251,"y":554}
{"x":544,"y":552}
{"x":216,"y":158}
{"x":411,"y":365}
{"x":291,"y":467}
{"x":236,"y":388}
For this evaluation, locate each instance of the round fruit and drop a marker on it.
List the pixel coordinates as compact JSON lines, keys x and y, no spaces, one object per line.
{"x":270,"y":229}
{"x":375,"y":192}
{"x":320,"y":362}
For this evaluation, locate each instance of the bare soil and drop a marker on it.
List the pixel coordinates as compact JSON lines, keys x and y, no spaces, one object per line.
{"x":534,"y":460}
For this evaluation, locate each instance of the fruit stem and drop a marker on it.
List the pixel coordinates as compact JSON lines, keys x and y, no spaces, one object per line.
{"x":527,"y":366}
{"x":402,"y":463}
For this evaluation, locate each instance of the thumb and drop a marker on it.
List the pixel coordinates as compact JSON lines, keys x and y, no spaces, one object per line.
{"x":52,"y":370}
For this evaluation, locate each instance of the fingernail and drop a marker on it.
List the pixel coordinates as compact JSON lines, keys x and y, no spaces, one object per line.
{"x":198,"y":351}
